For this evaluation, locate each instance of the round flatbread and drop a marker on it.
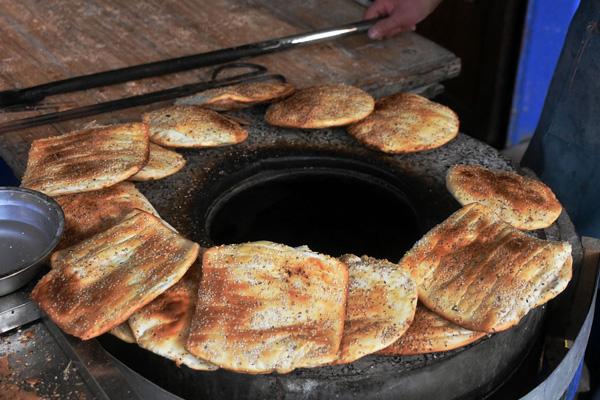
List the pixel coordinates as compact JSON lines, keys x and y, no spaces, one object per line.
{"x":406,"y":123}
{"x":321,"y":107}
{"x":192,"y":126}
{"x":430,"y":333}
{"x":381,"y":305}
{"x":123,"y":332}
{"x":523,"y":202}
{"x":161,"y":163}
{"x":163,"y":325}
{"x":239,"y":96}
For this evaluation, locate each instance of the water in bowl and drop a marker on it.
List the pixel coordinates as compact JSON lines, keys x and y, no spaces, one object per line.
{"x":20,"y":244}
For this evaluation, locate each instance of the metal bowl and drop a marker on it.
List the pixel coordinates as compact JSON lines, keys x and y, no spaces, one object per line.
{"x":31,"y":225}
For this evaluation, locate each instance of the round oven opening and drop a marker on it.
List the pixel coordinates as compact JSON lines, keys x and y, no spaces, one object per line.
{"x":334,"y":204}
{"x":331,"y":210}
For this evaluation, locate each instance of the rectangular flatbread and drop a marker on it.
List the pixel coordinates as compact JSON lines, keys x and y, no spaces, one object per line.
{"x":97,"y":284}
{"x":163,"y":325}
{"x":483,"y":274}
{"x":89,"y":213}
{"x":430,"y":333}
{"x":265,"y":307}
{"x":381,"y":305}
{"x":86,"y":160}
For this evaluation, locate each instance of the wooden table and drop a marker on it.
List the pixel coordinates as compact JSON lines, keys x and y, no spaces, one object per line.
{"x":42,"y":41}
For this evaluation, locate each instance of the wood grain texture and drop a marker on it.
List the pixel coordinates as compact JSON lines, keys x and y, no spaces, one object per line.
{"x":42,"y":41}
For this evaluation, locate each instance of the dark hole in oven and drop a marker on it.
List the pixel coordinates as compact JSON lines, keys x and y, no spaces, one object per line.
{"x":334,"y":209}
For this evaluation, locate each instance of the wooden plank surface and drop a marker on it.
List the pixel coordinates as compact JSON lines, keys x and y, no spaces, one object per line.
{"x":42,"y":41}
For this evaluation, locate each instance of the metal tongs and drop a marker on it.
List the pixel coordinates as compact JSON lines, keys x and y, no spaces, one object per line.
{"x":256,"y":73}
{"x":23,"y":99}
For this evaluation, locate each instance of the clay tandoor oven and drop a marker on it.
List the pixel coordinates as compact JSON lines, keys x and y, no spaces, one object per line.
{"x":322,"y":189}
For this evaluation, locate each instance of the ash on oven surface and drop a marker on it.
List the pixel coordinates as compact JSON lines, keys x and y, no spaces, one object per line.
{"x":178,"y":195}
{"x":32,"y":367}
{"x":187,"y":199}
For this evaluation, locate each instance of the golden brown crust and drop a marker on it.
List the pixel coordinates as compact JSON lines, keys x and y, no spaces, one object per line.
{"x":265,"y":307}
{"x":482,"y":273}
{"x":192,"y":126}
{"x":381,"y":305}
{"x":406,"y":123}
{"x":96,"y":285}
{"x":163,"y":325}
{"x":321,"y":107}
{"x":89,"y":213}
{"x":430,"y":333}
{"x":86,"y":160}
{"x":523,"y":202}
{"x":161,"y":163}
{"x":239,"y":96}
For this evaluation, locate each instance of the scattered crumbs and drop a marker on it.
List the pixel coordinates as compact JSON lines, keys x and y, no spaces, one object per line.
{"x":26,"y":337}
{"x":32,"y":381}
{"x":4,"y":368}
{"x":13,"y":392}
{"x":67,"y":371}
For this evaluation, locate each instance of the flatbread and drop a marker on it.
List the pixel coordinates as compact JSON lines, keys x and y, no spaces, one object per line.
{"x":86,"y":160}
{"x":321,"y":107}
{"x":381,"y":305}
{"x":123,"y":332}
{"x":406,"y":123}
{"x":161,"y":163}
{"x":239,"y":96}
{"x":89,"y":213}
{"x":523,"y":202}
{"x":265,"y":307}
{"x":482,"y":273}
{"x":163,"y":325}
{"x":430,"y":333}
{"x":192,"y":126}
{"x":97,"y":284}
{"x":554,"y":287}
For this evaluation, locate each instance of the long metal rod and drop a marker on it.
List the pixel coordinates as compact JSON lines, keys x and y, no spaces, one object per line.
{"x":17,"y":309}
{"x":102,"y":377}
{"x":37,"y":93}
{"x":132,"y":101}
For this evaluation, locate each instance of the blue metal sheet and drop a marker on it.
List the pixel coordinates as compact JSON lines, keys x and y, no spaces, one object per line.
{"x":544,"y":33}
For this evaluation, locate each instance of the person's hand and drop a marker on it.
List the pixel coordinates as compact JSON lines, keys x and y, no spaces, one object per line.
{"x":400,"y":16}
